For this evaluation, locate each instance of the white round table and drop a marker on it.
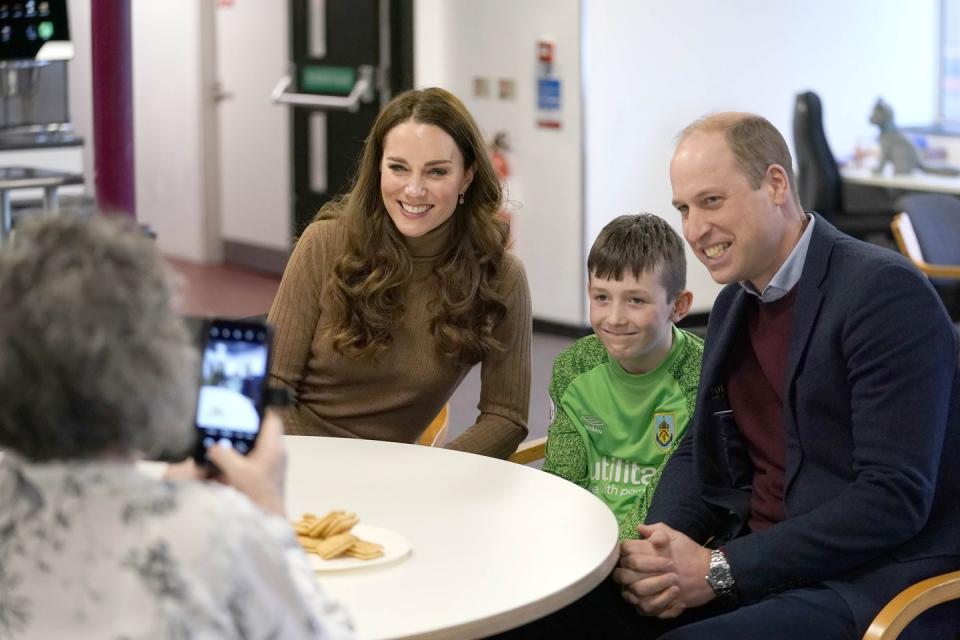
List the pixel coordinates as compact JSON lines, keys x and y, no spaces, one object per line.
{"x":494,"y":544}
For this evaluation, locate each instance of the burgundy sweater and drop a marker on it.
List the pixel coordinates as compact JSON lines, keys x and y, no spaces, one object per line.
{"x":755,"y":387}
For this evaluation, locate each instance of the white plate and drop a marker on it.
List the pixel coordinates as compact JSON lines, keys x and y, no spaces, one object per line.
{"x":395,"y":548}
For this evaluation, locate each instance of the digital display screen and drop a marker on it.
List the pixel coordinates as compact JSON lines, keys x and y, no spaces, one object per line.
{"x":234,"y":371}
{"x":27,"y":25}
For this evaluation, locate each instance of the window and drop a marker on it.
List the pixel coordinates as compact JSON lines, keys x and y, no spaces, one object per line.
{"x":950,"y":62}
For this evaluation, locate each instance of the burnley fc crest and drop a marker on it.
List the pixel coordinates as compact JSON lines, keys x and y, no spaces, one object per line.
{"x":664,"y":426}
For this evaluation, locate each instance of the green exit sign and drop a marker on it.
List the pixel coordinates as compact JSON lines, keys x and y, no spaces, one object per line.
{"x":330,"y":80}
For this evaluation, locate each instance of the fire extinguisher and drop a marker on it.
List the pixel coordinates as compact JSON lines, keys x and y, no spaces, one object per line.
{"x":498,"y":155}
{"x":498,"y":158}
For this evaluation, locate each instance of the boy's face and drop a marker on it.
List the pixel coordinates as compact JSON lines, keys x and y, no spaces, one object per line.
{"x":633,"y":319}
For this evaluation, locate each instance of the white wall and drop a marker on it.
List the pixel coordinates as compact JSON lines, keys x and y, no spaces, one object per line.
{"x":172,"y":97}
{"x":456,"y":41}
{"x":80,"y":79}
{"x":432,"y":42}
{"x":653,"y":67}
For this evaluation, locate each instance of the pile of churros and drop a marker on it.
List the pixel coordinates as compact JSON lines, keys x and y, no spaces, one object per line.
{"x":329,"y":536}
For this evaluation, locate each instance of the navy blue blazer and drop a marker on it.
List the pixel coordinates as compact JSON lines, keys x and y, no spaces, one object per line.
{"x":872,"y":418}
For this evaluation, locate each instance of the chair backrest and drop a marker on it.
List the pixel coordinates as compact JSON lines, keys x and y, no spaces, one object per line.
{"x":818,"y":178}
{"x":436,"y":433}
{"x":934,"y":221}
{"x":529,"y":451}
{"x":906,"y":239}
{"x":910,"y":603}
{"x":436,"y":436}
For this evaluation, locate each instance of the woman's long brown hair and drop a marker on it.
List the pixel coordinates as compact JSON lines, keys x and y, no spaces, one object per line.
{"x":368,"y":281}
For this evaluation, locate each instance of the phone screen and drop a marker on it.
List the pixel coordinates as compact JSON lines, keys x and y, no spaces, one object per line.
{"x":236,"y":361}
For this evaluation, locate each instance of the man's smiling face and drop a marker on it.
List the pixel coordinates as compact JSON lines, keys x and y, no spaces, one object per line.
{"x":737,"y":231}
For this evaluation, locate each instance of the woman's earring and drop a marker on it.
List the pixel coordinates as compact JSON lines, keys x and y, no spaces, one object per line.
{"x":461,"y":198}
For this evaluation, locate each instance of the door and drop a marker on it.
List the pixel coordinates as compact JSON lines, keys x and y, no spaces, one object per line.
{"x":252,"y":45}
{"x":348,"y":57}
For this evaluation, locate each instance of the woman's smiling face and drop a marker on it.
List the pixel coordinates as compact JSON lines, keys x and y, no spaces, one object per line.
{"x":421,"y":177}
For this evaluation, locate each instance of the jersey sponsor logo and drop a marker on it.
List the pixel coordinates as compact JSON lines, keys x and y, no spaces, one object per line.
{"x":619,"y":477}
{"x":664,"y":429}
{"x":593,"y":423}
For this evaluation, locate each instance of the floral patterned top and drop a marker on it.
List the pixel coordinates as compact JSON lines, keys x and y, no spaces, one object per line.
{"x":100,"y":550}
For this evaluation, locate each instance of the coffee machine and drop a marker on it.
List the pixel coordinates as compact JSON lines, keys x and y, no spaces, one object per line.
{"x":34,"y":49}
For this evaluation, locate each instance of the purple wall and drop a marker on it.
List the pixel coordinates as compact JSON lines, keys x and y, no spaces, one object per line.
{"x":113,"y":106}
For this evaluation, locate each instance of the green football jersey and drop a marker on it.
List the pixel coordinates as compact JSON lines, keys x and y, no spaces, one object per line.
{"x":625,"y":425}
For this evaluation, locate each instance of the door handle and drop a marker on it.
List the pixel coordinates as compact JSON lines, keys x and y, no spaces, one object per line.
{"x":362,"y":91}
{"x":219,"y":94}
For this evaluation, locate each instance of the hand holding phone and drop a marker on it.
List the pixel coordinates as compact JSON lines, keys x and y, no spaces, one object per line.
{"x":260,"y":475}
{"x":233,"y":385}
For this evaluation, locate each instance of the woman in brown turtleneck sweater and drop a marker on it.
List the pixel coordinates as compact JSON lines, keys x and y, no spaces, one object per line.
{"x":397,"y":289}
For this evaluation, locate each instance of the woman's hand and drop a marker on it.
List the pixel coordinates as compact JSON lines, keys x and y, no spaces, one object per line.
{"x":260,"y":475}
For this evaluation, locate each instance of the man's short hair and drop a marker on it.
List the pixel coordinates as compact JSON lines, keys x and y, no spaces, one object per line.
{"x":755,"y":143}
{"x":640,"y":243}
{"x":93,"y":359}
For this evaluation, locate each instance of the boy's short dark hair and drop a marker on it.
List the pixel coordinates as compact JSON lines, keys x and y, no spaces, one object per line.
{"x":642,"y":242}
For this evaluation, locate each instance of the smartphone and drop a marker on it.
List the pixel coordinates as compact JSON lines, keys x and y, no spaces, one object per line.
{"x":233,"y":384}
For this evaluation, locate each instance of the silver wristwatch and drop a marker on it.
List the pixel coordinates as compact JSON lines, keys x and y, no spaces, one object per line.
{"x":719,"y":577}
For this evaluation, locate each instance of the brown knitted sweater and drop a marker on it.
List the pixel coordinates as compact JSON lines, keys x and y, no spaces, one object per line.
{"x":395,"y":396}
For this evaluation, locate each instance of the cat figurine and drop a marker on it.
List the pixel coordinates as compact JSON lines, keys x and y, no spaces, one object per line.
{"x":896,"y":149}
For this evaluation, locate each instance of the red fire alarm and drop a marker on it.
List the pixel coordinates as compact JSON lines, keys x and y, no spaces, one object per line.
{"x":545,"y":52}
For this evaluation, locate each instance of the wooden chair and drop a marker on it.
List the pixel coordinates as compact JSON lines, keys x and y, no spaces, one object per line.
{"x":436,"y":436}
{"x":436,"y":433}
{"x":928,"y":232}
{"x":906,"y":236}
{"x":910,"y":603}
{"x":529,"y":451}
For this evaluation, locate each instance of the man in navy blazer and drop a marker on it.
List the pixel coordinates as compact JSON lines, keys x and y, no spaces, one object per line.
{"x":822,"y":466}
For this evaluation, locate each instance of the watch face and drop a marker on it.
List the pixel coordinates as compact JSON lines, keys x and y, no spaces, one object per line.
{"x":719,"y":577}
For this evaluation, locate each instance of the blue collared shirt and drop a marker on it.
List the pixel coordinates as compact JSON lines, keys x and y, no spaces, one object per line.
{"x":789,"y":273}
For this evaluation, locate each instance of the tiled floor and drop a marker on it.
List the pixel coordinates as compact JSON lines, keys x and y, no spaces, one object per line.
{"x":236,"y":292}
{"x":223,"y":290}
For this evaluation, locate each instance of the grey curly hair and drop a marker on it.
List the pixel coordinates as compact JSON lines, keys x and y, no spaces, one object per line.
{"x":93,"y":360}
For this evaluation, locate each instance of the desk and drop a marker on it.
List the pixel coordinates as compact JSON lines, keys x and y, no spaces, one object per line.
{"x":916,"y":181}
{"x":495,"y":544}
{"x":26,"y":178}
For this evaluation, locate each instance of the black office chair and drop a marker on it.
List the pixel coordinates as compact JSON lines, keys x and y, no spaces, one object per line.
{"x":928,"y":232}
{"x":819,"y":184}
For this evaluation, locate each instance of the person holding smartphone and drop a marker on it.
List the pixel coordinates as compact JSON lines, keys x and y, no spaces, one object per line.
{"x":400,"y":287}
{"x":96,"y":371}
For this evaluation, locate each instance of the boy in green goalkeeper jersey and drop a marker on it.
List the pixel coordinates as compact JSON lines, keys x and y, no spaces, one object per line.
{"x":622,"y":397}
